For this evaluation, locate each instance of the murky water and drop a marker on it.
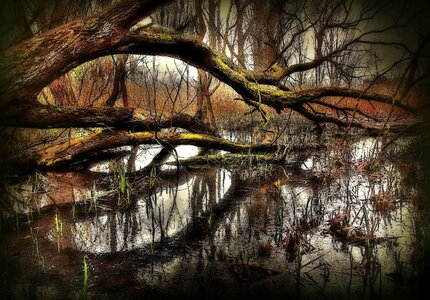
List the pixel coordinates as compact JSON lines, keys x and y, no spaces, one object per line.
{"x":338,"y":224}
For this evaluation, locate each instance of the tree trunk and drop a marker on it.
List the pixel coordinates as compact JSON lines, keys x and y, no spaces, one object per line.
{"x":119,"y":83}
{"x":30,"y":66}
{"x":264,"y":44}
{"x":204,"y":106}
{"x":44,"y":116}
{"x":78,"y":148}
{"x":62,"y":91}
{"x":240,"y":9}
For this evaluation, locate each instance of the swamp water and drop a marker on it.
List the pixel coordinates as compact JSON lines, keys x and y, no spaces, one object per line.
{"x":338,"y":223}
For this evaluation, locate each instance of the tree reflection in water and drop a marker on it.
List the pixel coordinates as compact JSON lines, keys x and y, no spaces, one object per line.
{"x":266,"y":226}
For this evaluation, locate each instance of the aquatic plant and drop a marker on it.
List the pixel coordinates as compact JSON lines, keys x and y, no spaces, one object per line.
{"x":211,"y":219}
{"x":277,"y":185}
{"x":58,"y":224}
{"x":265,"y":250}
{"x":292,"y":245}
{"x":299,"y":265}
{"x":94,"y":196}
{"x":85,"y":275}
{"x":384,"y":202}
{"x":152,"y":176}
{"x":123,"y":185}
{"x":371,"y":227}
{"x":342,"y":228}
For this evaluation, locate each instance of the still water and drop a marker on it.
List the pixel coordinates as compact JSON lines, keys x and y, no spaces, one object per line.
{"x":338,"y":223}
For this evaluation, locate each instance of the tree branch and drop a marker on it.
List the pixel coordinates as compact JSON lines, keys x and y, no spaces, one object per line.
{"x":77,"y":42}
{"x":34,"y":63}
{"x":75,"y":149}
{"x":43,"y":116}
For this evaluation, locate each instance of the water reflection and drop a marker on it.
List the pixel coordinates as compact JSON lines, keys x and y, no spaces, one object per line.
{"x":51,"y":189}
{"x":142,"y":156}
{"x":179,"y":153}
{"x":244,"y":227}
{"x":364,"y":149}
{"x":145,"y":155}
{"x":156,"y":217}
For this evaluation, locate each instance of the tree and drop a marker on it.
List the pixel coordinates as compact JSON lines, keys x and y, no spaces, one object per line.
{"x":33,"y":63}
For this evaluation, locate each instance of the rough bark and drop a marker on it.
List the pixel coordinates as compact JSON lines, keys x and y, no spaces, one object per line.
{"x":263,"y":32}
{"x":78,"y":148}
{"x":204,"y":107}
{"x":34,"y":63}
{"x":240,"y":10}
{"x":44,"y":116}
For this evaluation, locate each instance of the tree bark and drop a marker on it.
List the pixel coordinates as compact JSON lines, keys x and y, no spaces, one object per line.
{"x":73,"y":150}
{"x":44,"y":116}
{"x":240,"y":10}
{"x":33,"y":64}
{"x":264,"y":33}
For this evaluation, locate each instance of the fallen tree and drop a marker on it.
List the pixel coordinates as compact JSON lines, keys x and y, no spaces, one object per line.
{"x":32,"y":64}
{"x":36,"y":115}
{"x":78,"y":148}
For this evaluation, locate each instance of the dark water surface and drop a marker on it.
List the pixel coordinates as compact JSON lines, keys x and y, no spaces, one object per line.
{"x":339,"y":224}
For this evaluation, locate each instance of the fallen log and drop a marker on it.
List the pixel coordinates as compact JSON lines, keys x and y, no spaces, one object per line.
{"x":230,"y":159}
{"x":71,"y":151}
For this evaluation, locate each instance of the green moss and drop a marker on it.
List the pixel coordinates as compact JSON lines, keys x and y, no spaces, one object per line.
{"x":221,"y":64}
{"x":232,"y":158}
{"x":276,"y":93}
{"x":141,"y":135}
{"x":160,"y":37}
{"x":281,"y":93}
{"x":192,"y":136}
{"x":92,"y":24}
{"x":137,"y":115}
{"x":165,"y":37}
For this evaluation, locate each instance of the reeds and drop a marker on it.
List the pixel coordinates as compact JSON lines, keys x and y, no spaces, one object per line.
{"x":85,"y":270}
{"x":123,"y":185}
{"x":58,"y":228}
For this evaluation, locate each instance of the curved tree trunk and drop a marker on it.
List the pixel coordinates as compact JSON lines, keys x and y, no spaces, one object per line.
{"x":78,"y":148}
{"x":31,"y":65}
